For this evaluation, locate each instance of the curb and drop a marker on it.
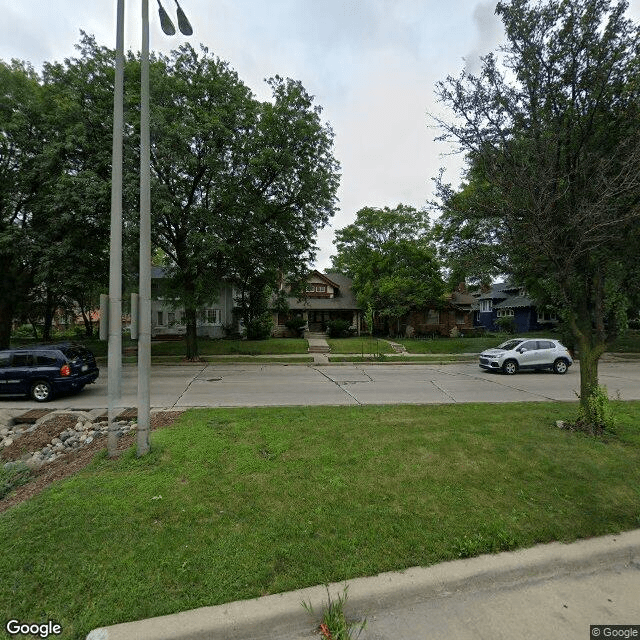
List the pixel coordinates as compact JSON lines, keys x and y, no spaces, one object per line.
{"x":282,"y":615}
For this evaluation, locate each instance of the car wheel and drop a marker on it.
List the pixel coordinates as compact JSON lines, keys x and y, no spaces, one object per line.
{"x":560,"y":366}
{"x":510,"y":367}
{"x":41,"y":391}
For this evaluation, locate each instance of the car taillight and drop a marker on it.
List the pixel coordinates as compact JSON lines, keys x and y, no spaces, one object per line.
{"x":65,"y":370}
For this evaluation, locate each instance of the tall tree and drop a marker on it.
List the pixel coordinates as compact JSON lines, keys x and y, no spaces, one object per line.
{"x":552,"y":135}
{"x":390,"y":256}
{"x":238,"y":183}
{"x":20,"y":147}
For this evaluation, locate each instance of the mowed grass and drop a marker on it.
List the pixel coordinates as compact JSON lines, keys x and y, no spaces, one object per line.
{"x":364,"y":344}
{"x":238,"y":503}
{"x":630,"y":343}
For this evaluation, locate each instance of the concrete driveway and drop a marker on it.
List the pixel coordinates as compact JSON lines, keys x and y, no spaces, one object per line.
{"x":234,"y":385}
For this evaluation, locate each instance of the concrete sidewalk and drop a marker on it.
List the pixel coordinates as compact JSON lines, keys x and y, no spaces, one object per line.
{"x":549,"y":592}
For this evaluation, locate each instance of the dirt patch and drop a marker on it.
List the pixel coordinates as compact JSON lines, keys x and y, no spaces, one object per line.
{"x":41,"y":437}
{"x":72,"y":462}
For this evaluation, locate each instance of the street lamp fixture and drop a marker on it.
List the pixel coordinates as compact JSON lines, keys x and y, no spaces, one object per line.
{"x":167,"y":24}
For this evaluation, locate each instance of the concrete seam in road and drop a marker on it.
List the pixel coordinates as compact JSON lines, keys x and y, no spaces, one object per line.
{"x":446,"y":393}
{"x":193,"y":379}
{"x":338,"y":385}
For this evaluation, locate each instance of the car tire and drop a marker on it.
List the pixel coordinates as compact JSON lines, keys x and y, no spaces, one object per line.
{"x":560,"y":366}
{"x":41,"y":391}
{"x":510,"y":367}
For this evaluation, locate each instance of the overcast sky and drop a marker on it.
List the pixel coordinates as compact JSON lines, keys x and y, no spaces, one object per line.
{"x":372,"y":66}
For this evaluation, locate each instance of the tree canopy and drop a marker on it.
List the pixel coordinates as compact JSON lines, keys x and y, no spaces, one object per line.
{"x":551,"y":131}
{"x":390,"y":256}
{"x":239,"y":186}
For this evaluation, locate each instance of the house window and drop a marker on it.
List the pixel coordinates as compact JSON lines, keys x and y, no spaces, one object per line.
{"x":171,"y":318}
{"x":485,"y":306}
{"x":317,"y":288}
{"x":545,"y":316}
{"x":212,"y":316}
{"x":505,"y":313}
{"x":433,"y":316}
{"x":460,"y":318}
{"x":160,"y":318}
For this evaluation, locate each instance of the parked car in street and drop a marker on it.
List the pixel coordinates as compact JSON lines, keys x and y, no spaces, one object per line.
{"x":526,"y":353}
{"x":44,"y":370}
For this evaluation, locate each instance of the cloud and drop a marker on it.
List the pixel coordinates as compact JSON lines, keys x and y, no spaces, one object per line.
{"x":489,"y":34}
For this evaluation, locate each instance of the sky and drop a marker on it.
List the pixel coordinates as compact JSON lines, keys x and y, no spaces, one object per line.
{"x":372,"y":65}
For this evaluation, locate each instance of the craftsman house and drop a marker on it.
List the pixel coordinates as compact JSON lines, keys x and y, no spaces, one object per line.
{"x":327,"y":297}
{"x":449,"y":317}
{"x":505,"y":300}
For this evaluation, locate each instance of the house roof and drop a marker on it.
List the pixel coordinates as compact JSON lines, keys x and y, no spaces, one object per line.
{"x":515,"y":301}
{"x":505,"y":295}
{"x":461,"y":300}
{"x":346,"y":299}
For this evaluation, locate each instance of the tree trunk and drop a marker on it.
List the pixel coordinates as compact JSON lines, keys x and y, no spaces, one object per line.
{"x":88,"y":324}
{"x":589,"y":357}
{"x":49,"y":311}
{"x":192,"y":335}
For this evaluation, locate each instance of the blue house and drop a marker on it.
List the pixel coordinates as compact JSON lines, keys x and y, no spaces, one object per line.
{"x":505,"y":300}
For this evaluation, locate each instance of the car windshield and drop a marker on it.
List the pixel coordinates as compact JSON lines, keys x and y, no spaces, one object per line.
{"x":509,"y":345}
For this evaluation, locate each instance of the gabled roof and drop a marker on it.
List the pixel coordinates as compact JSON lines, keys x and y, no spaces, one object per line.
{"x":346,"y":300}
{"x":324,"y":278}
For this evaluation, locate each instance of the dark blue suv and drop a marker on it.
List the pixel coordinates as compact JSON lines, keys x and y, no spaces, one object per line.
{"x":41,"y":371}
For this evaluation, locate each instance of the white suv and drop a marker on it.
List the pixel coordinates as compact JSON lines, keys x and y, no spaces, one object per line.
{"x":524,"y":353}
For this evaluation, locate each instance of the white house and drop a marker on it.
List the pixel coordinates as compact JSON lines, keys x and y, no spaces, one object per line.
{"x":167,"y":317}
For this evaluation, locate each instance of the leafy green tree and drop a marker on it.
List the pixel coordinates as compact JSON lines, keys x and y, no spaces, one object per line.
{"x":55,"y":184}
{"x":552,"y":136}
{"x":20,"y":145}
{"x":390,"y":256}
{"x":241,"y":186}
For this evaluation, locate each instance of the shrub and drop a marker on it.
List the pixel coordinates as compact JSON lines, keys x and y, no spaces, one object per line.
{"x":259,"y":328}
{"x":296,"y":325}
{"x":597,"y":416}
{"x":338,"y":328}
{"x":506,"y":324}
{"x":12,"y":475}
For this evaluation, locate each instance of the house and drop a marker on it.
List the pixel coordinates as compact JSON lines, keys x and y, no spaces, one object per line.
{"x":506,"y":300}
{"x":167,"y":318}
{"x":452,"y":315}
{"x":327,"y":297}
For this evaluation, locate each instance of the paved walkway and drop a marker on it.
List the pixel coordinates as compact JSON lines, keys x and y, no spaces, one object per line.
{"x":549,"y":592}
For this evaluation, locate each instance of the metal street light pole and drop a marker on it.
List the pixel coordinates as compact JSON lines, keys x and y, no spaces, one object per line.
{"x":114,"y":319}
{"x":144,"y":309}
{"x":115,"y":259}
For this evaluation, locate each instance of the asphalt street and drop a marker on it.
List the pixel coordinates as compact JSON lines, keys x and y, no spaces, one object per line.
{"x":235,"y":385}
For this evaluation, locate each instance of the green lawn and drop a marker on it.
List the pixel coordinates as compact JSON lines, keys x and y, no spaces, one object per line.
{"x":209,"y":347}
{"x":452,"y":345}
{"x":364,"y":344}
{"x":237,"y":503}
{"x":627,"y":344}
